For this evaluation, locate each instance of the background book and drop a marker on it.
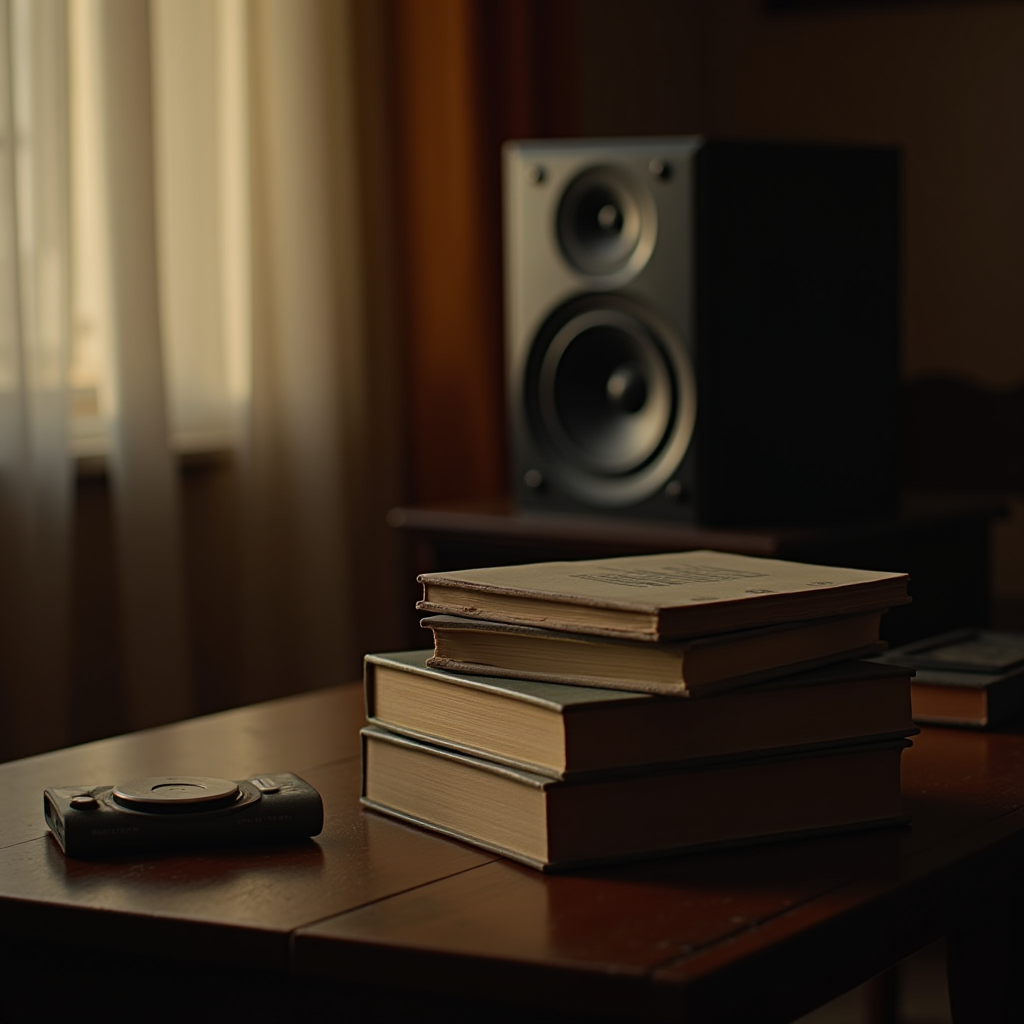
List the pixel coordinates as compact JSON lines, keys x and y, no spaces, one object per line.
{"x":680,"y":668}
{"x":558,"y":731}
{"x":968,"y":677}
{"x":660,"y":597}
{"x":548,"y":823}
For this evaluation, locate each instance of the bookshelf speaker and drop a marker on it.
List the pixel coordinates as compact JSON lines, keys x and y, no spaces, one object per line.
{"x":702,"y":329}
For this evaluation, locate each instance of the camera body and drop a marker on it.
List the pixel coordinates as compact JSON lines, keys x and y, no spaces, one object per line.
{"x":174,"y":812}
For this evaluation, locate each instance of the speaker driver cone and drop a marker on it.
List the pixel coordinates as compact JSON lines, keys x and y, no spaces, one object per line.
{"x":611,"y":399}
{"x":607,"y":392}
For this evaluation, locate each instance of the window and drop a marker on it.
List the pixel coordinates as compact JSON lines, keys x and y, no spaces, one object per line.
{"x":197,"y":169}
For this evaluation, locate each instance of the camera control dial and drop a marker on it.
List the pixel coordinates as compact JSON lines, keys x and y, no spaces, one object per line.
{"x":174,"y":791}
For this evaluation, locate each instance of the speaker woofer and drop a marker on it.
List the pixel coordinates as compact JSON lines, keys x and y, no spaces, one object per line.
{"x":606,"y":222}
{"x":607,"y":392}
{"x":612,"y":398}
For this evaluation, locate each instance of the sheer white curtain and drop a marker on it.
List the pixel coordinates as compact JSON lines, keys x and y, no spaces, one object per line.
{"x":118,"y":188}
{"x":220,"y":198}
{"x":35,"y":471}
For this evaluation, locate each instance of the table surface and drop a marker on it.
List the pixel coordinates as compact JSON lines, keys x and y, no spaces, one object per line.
{"x":761,"y":933}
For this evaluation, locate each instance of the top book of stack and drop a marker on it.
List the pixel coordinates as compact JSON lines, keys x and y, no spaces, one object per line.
{"x":660,"y":597}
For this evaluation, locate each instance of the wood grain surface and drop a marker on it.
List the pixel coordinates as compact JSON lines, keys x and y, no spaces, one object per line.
{"x":228,"y":904}
{"x":372,"y":906}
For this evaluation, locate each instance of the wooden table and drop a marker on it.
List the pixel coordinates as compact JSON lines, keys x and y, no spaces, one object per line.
{"x":378,"y":921}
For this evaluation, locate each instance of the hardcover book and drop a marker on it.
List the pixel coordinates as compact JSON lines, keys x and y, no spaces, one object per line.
{"x":660,"y":597}
{"x":681,"y":668}
{"x":562,"y":731}
{"x":551,"y":824}
{"x":969,"y":677}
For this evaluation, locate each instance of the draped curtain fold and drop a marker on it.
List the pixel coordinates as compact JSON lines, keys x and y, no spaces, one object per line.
{"x":35,"y":472}
{"x":233,"y":246}
{"x":141,"y":461}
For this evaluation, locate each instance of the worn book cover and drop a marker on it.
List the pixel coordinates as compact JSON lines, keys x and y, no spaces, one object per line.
{"x":681,"y":668}
{"x":555,"y":824}
{"x":967,"y":677}
{"x":660,"y":597}
{"x":561,"y":731}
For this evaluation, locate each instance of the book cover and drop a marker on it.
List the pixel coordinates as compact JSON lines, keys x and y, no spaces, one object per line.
{"x":553,"y":824}
{"x":660,"y":597}
{"x":966,"y":677}
{"x":562,"y":731}
{"x":681,"y":668}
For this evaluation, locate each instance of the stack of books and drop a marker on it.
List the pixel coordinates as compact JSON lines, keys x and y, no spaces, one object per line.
{"x":967,"y":677}
{"x":573,"y":713}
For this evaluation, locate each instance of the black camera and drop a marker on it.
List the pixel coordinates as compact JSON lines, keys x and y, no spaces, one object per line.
{"x":182,"y":811}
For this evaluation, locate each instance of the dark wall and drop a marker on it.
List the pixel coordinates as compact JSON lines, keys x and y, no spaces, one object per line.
{"x":941,"y":80}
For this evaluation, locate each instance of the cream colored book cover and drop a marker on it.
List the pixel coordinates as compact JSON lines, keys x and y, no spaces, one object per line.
{"x":658,"y":597}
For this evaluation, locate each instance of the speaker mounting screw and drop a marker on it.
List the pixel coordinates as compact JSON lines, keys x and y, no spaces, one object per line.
{"x":534,"y":479}
{"x":535,"y":174}
{"x":674,"y":490}
{"x":660,"y":169}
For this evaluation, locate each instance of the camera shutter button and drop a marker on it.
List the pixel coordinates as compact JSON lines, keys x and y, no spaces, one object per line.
{"x":84,"y":802}
{"x":266,"y":785}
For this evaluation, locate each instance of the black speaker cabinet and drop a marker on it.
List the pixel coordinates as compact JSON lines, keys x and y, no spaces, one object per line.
{"x":701,"y":329}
